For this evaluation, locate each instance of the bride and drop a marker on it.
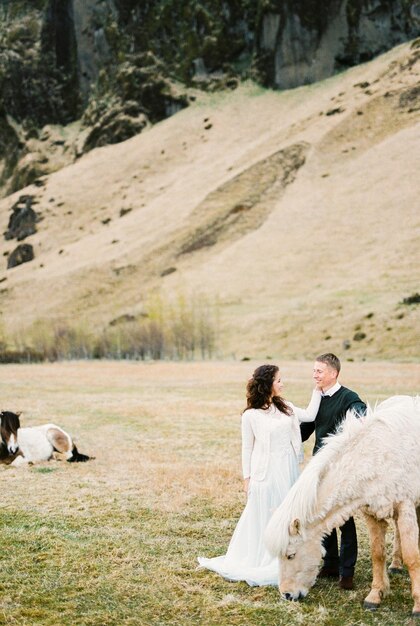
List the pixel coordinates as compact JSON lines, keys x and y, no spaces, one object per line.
{"x":271,"y":445}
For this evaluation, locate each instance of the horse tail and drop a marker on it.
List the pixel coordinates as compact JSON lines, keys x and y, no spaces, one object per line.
{"x":78,"y":457}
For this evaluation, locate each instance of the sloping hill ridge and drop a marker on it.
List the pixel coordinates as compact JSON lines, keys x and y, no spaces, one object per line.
{"x":294,"y":214}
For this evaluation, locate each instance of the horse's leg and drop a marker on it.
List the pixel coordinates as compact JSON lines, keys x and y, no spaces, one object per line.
{"x":60,"y":441}
{"x":418,"y":522}
{"x":409,"y":533}
{"x":380,"y":580}
{"x":20,"y":460}
{"x":63,"y":444}
{"x":396,"y":566}
{"x":8,"y":459}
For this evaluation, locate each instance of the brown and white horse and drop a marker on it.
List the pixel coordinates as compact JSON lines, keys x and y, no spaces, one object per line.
{"x":37,"y":443}
{"x":371,"y":464}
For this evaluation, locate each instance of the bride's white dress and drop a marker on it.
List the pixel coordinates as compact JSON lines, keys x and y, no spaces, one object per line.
{"x":247,"y":557}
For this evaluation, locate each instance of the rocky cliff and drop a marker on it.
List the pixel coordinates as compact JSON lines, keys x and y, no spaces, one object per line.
{"x":112,"y":67}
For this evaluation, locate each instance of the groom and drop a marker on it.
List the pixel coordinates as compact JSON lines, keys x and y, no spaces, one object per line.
{"x":336,"y":401}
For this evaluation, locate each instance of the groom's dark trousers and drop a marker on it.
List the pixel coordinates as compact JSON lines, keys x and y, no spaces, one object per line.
{"x":345,"y":561}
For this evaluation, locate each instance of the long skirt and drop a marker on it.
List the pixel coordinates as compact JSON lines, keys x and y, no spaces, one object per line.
{"x":247,"y":558}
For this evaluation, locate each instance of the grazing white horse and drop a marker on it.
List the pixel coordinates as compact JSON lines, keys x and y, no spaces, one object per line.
{"x":36,"y":443}
{"x":372,"y":464}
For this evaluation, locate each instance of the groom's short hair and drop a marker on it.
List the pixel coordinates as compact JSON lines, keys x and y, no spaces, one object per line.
{"x":331,"y":360}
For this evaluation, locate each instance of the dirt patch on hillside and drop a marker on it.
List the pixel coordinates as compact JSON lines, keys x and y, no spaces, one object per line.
{"x":243,"y":203}
{"x":376,"y":118}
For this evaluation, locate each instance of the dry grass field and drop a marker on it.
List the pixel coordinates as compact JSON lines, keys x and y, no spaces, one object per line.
{"x":114,"y":541}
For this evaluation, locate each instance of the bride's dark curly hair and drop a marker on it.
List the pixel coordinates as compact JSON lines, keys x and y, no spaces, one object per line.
{"x":259,"y":389}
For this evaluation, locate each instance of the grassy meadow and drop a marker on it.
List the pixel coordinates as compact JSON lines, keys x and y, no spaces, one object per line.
{"x":114,"y":541}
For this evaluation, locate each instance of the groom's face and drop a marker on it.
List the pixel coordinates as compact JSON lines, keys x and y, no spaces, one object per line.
{"x":324,"y":375}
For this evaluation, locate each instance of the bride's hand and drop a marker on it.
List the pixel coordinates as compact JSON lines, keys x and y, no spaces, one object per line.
{"x":246,"y":485}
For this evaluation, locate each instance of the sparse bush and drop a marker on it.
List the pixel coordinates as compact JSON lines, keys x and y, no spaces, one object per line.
{"x":180,"y":329}
{"x":414,"y":299}
{"x":51,"y":341}
{"x":71,"y":342}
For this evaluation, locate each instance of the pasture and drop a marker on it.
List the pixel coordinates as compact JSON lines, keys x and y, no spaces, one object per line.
{"x":114,"y":541}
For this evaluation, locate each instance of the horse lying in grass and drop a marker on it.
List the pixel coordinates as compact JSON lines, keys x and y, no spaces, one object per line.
{"x":370,"y":464}
{"x":20,"y":446}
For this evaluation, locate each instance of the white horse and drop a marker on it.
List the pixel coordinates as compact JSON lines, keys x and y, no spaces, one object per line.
{"x":372,"y":464}
{"x":20,"y":446}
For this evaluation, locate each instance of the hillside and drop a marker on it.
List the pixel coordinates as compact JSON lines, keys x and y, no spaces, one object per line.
{"x":294,"y":214}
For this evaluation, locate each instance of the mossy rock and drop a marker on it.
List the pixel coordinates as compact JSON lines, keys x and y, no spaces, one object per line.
{"x":28,"y":170}
{"x":22,"y":254}
{"x":122,"y":121}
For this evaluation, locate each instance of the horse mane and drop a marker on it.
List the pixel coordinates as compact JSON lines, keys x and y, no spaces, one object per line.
{"x":10,"y":422}
{"x":301,"y":502}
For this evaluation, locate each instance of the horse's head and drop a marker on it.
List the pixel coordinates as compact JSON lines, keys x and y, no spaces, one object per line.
{"x":10,"y":425}
{"x":299,"y":562}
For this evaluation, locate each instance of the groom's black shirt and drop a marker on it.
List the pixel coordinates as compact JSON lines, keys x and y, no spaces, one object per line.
{"x":331,"y":412}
